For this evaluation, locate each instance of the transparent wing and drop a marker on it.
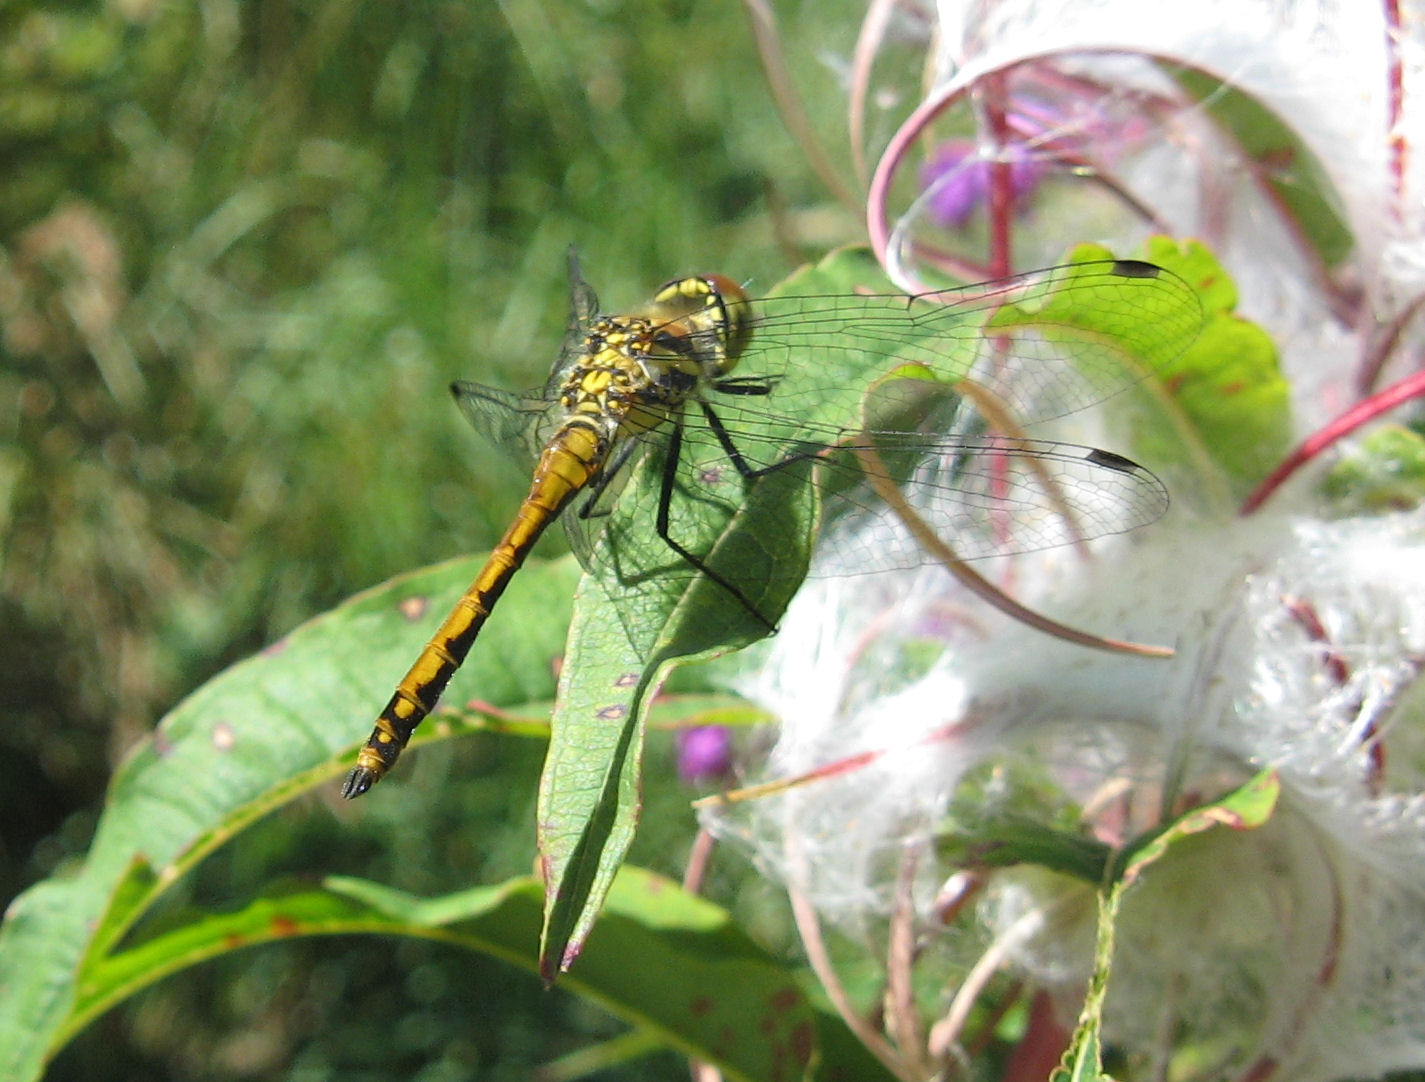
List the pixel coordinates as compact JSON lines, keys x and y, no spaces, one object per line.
{"x":516,"y":423}
{"x":814,"y":385}
{"x":985,"y":495}
{"x":1047,"y":343}
{"x":521,"y":424}
{"x":1038,"y":345}
{"x":583,"y":310}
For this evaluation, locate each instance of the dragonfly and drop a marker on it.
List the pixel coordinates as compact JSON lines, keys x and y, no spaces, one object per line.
{"x":716,"y":391}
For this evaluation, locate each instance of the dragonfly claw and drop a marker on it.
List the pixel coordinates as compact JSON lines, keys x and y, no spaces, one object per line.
{"x":357,"y":782}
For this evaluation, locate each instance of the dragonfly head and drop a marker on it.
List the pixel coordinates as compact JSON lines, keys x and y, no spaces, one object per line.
{"x":708,"y":316}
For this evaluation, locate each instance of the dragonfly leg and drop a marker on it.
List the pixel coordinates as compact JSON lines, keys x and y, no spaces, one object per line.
{"x":748,"y":472}
{"x":753,"y":385}
{"x":665,"y":499}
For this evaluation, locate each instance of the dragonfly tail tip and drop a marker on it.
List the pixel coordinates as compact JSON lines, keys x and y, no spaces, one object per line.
{"x":357,"y":782}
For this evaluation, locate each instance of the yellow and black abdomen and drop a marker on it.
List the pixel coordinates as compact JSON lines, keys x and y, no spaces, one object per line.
{"x":568,"y":463}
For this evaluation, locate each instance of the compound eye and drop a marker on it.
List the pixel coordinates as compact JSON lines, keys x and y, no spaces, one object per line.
{"x":730,"y":292}
{"x":734,"y":314}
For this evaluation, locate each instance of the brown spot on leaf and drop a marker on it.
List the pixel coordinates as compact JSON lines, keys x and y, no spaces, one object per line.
{"x":785,"y":1000}
{"x":803,"y":1041}
{"x":285,"y":926}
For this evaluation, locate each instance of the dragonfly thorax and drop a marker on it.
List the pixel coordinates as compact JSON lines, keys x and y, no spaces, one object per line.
{"x":635,"y":370}
{"x":622,"y":383}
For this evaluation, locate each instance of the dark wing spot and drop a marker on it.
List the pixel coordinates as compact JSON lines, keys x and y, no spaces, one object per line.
{"x":1135,"y":268}
{"x":1112,"y":461}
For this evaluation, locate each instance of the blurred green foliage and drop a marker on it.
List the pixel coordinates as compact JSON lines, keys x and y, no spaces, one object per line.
{"x":243,"y":248}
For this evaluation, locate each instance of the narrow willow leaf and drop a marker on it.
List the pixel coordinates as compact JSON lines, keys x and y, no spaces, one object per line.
{"x":255,"y":736}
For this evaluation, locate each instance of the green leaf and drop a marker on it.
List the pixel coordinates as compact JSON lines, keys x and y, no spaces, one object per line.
{"x":660,"y":958}
{"x":1007,"y":840}
{"x":1082,"y":307}
{"x":255,"y":736}
{"x":1245,"y":808}
{"x":1298,"y":183}
{"x":620,"y":646}
{"x":639,"y":614}
{"x":1221,"y":411}
{"x":666,"y":961}
{"x":1384,"y":471}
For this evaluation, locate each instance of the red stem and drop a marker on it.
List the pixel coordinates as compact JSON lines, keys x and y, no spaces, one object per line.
{"x":1413,"y":386}
{"x":1001,"y":180}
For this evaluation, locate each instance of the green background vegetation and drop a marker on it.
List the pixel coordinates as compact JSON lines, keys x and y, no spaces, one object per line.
{"x":243,"y":249}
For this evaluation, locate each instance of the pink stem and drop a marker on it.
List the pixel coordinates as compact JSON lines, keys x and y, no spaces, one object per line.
{"x":1001,"y":184}
{"x":1413,"y":386}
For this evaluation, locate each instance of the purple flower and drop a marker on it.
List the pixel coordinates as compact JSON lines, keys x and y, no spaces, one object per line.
{"x":957,"y":180}
{"x":704,"y":753}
